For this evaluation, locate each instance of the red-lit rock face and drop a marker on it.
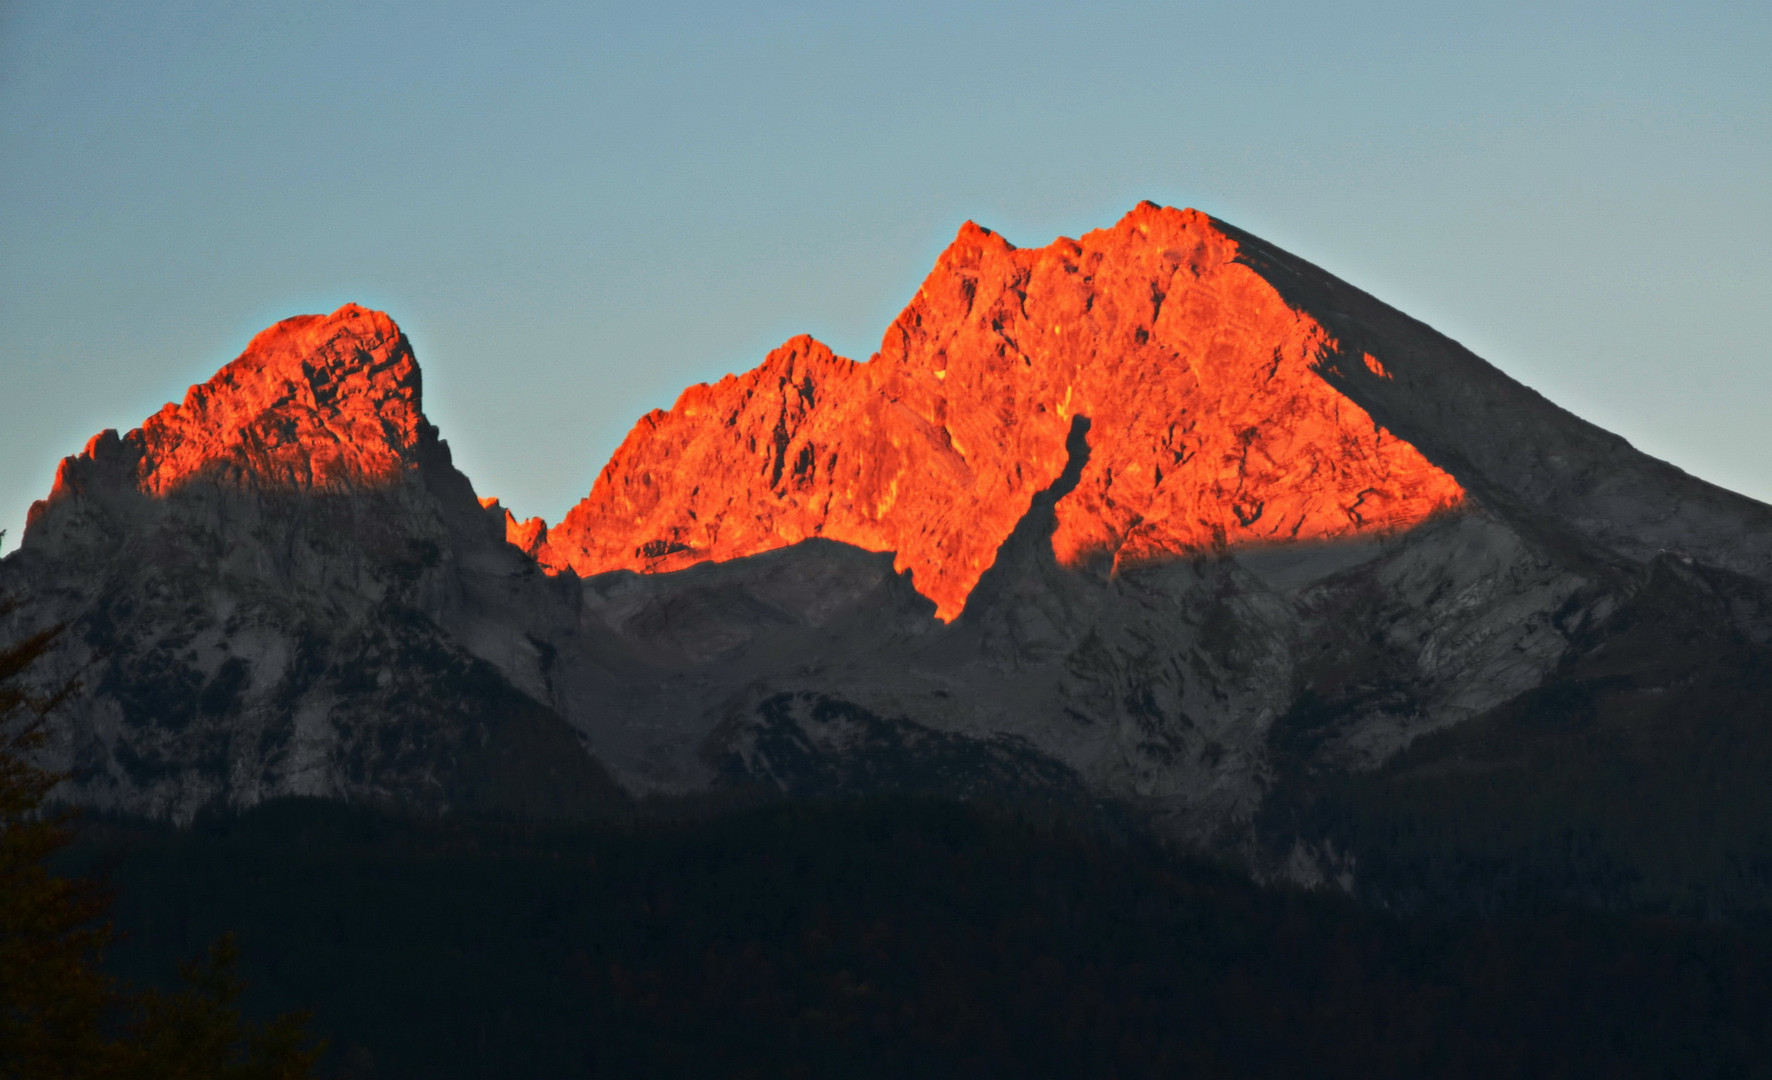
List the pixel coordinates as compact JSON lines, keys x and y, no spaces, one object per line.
{"x":530,"y":535}
{"x":1209,"y":428}
{"x":315,"y":403}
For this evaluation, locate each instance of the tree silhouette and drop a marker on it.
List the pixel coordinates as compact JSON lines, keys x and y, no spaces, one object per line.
{"x":61,"y":1016}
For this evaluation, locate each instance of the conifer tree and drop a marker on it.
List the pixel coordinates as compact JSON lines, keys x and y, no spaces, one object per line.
{"x":61,"y":1016}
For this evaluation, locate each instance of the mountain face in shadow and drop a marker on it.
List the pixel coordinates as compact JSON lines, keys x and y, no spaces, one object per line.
{"x":1162,"y":519}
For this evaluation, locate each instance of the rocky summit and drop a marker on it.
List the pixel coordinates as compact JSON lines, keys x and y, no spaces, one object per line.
{"x":252,"y":591}
{"x":1162,"y":520}
{"x":1208,"y":428}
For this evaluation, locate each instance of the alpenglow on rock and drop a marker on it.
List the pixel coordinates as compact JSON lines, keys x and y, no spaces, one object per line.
{"x":1163,"y":519}
{"x":1208,"y":428}
{"x":315,"y":403}
{"x":253,"y":590}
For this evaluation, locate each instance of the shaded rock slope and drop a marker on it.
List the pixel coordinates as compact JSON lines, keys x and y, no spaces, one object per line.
{"x":1162,"y":519}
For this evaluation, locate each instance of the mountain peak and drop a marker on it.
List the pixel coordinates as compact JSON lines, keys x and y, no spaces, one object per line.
{"x":314,"y":403}
{"x":1211,"y":425}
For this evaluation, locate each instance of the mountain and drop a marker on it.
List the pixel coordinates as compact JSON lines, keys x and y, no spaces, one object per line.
{"x":268,"y":589}
{"x":1163,"y":520}
{"x":1208,"y":429}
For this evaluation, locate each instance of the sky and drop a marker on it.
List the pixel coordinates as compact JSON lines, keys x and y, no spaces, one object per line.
{"x":575,"y":210}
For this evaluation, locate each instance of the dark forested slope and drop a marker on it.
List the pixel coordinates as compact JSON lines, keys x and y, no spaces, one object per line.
{"x":896,"y":937}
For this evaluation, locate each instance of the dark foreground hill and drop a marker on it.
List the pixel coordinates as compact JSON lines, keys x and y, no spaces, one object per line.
{"x":898,"y":937}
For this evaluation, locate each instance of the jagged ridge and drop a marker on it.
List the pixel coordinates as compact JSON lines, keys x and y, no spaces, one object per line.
{"x":314,"y":403}
{"x":1211,"y":428}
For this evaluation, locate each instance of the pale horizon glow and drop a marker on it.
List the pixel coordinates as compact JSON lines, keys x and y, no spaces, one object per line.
{"x":575,"y":211}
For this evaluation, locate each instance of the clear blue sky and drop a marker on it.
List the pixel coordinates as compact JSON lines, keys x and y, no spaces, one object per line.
{"x":577,"y":209}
